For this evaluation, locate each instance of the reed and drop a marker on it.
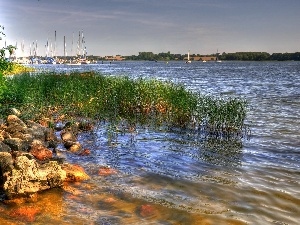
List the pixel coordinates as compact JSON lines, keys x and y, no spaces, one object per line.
{"x":112,"y":98}
{"x":17,"y":69}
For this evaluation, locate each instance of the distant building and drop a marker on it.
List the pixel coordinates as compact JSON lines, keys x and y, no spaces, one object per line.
{"x":201,"y":58}
{"x":114,"y":58}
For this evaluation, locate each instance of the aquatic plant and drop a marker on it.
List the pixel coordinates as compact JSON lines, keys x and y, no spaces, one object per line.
{"x":119,"y":98}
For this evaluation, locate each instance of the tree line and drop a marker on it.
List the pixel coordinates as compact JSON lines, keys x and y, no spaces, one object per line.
{"x":260,"y":56}
{"x":240,"y":56}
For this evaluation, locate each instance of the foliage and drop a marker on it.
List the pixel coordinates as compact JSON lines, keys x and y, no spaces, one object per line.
{"x":155,"y":57}
{"x":4,"y":64}
{"x":260,"y":56}
{"x":140,"y":101}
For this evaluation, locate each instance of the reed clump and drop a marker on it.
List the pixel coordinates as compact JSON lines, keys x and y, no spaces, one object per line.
{"x":17,"y":69}
{"x":112,"y":98}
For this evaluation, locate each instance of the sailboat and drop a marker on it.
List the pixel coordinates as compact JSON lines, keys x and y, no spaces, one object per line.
{"x":188,"y":60}
{"x":217,"y":59}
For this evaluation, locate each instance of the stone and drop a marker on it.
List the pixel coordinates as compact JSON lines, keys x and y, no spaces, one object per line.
{"x":51,"y":138}
{"x":17,"y":144}
{"x":76,"y":147}
{"x":13,"y":120}
{"x":40,"y":152}
{"x":74,"y":173}
{"x":4,"y":147}
{"x":106,"y":171}
{"x":15,"y":112}
{"x":25,"y":213}
{"x":146,"y":210}
{"x":85,"y":152}
{"x":4,"y":135}
{"x":6,"y":162}
{"x":36,"y":130}
{"x":67,"y":135}
{"x":24,"y":176}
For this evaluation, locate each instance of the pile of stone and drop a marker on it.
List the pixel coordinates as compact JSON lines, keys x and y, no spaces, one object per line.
{"x":28,"y":160}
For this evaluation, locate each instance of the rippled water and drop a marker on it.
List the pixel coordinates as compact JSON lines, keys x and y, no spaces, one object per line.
{"x":179,"y":177}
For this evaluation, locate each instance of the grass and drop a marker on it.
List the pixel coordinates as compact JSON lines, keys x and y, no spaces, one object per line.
{"x":140,"y":101}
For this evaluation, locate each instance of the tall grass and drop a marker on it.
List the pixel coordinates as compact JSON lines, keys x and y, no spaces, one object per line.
{"x":140,"y":101}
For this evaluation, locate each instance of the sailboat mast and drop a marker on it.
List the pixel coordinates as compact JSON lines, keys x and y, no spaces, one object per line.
{"x":55,"y":43}
{"x":72,"y":44}
{"x":64,"y":46}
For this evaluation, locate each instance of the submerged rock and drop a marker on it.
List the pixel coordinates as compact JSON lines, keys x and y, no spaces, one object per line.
{"x":25,"y":213}
{"x":146,"y":211}
{"x":106,"y":171}
{"x":74,"y":173}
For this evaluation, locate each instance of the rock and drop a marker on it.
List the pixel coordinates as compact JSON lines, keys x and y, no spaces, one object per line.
{"x":106,"y":171}
{"x":146,"y":210}
{"x":27,"y":165}
{"x":40,"y":152}
{"x":36,"y":130}
{"x":69,"y":140}
{"x":85,"y":125}
{"x":15,"y":125}
{"x":4,"y":147}
{"x":4,"y":135}
{"x":13,"y":120}
{"x":17,"y":144}
{"x":67,"y":135}
{"x":85,"y":152}
{"x":25,"y":213}
{"x":24,"y":176}
{"x":51,"y":138}
{"x":74,"y":173}
{"x":15,"y":112}
{"x":76,"y":147}
{"x":6,"y":162}
{"x":72,"y":127}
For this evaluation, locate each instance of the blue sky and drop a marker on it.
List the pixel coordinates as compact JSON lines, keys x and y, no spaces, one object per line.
{"x":127,"y":27}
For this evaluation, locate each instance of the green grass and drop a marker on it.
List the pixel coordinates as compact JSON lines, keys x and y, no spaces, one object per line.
{"x":140,"y":101}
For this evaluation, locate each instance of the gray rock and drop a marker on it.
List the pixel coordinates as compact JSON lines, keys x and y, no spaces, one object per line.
{"x":17,"y":144}
{"x":4,"y":147}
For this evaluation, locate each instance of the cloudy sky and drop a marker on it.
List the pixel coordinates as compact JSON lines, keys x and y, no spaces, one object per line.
{"x":127,"y":27}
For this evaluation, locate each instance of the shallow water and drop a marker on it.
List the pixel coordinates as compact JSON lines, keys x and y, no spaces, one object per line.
{"x":180,"y":177}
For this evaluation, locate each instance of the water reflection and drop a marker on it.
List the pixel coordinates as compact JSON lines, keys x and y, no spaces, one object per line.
{"x":222,"y":152}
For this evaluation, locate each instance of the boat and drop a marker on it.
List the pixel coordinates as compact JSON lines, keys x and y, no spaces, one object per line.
{"x":217,"y":58}
{"x":50,"y":60}
{"x":188,"y":59}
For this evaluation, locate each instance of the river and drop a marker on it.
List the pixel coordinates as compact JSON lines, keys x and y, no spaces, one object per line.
{"x":178,"y":177}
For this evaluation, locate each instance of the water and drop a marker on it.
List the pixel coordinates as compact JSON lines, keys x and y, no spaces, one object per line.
{"x":179,"y":177}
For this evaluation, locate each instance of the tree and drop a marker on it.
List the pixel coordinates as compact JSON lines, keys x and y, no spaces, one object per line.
{"x":4,"y":64}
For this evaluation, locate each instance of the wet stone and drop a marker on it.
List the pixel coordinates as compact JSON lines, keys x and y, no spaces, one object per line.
{"x":146,"y":210}
{"x":109,"y":220}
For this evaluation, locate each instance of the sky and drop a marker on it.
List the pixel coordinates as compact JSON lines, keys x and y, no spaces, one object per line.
{"x":127,"y":27}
